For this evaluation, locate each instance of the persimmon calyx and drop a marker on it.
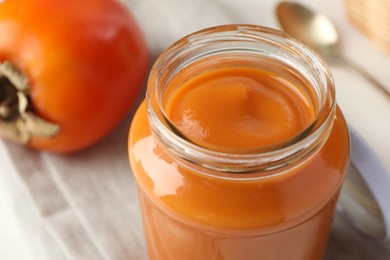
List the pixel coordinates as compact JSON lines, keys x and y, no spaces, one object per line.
{"x":18,"y":122}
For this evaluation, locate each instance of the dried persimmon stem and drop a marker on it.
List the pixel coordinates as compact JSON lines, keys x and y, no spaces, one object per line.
{"x":18,"y":121}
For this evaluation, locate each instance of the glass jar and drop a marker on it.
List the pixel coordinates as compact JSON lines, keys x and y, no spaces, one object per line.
{"x":205,"y":200}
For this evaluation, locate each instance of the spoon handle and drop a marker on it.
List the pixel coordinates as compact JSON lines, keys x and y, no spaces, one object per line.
{"x":365,"y":104}
{"x":363,"y":73}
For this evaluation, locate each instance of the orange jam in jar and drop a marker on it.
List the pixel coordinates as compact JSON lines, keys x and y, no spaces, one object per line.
{"x":239,"y":150}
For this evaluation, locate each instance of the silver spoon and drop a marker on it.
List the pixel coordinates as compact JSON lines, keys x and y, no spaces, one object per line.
{"x":365,"y":192}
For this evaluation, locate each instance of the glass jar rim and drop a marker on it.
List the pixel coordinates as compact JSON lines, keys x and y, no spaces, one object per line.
{"x":264,"y":159}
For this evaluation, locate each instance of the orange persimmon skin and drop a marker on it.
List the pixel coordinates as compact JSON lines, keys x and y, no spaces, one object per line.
{"x":86,"y":62}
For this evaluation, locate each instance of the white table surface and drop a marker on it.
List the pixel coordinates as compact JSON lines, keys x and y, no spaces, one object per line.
{"x":15,"y":244}
{"x":12,"y":242}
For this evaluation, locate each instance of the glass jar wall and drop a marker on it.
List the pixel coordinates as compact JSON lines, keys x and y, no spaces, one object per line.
{"x":239,"y":150}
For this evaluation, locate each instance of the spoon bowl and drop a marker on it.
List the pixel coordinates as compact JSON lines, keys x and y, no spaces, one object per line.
{"x":316,"y":30}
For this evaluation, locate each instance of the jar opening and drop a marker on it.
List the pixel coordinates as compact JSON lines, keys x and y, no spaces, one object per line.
{"x":250,"y":50}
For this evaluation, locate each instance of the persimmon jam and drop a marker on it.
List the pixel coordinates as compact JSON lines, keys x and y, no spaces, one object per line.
{"x":239,"y":107}
{"x":239,"y":152}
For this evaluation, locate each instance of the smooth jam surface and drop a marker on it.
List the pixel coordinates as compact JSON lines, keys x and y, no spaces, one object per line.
{"x":239,"y":107}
